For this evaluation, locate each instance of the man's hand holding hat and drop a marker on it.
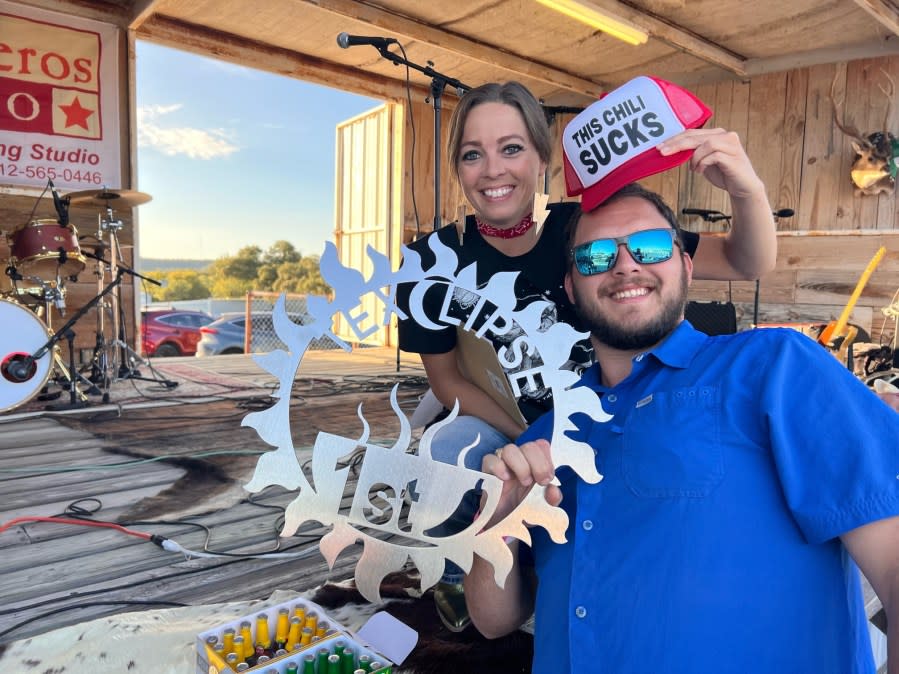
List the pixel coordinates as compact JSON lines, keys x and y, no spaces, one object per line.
{"x":719,"y":156}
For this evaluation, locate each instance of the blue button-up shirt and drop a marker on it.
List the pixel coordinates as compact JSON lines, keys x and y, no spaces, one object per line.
{"x":731,"y":466}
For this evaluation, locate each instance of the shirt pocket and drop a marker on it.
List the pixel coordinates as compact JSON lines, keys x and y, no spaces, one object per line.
{"x":671,"y":444}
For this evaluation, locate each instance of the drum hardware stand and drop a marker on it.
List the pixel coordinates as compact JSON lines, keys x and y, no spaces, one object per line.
{"x":21,"y":368}
{"x":76,"y":398}
{"x":125,"y":358}
{"x":100,"y":362}
{"x":52,"y":296}
{"x":120,"y":349}
{"x":70,"y":374}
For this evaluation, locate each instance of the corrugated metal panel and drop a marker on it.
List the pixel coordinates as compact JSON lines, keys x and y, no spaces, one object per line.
{"x":367,"y":213}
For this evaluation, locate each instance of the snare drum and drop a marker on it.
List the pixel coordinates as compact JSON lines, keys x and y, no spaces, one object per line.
{"x":23,"y":333}
{"x":43,"y":248}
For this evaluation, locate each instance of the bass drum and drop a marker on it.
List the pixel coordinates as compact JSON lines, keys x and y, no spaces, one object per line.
{"x":46,"y":250}
{"x":23,"y":333}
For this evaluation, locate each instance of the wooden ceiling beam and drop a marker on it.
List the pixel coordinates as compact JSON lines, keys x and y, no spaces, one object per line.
{"x":97,"y":11}
{"x":251,"y":54}
{"x":884,"y":11}
{"x":141,"y":10}
{"x":674,"y":35}
{"x":476,"y":51}
{"x":888,"y":46}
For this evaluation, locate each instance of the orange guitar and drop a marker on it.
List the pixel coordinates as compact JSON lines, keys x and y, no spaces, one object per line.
{"x":835,"y":329}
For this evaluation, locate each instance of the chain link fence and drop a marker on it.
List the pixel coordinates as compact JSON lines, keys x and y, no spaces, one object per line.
{"x":260,"y":331}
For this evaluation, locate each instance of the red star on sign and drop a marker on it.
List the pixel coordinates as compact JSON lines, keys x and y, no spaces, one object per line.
{"x":76,"y":114}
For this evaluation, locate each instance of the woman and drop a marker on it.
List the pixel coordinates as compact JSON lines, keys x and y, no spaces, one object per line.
{"x":499,"y":147}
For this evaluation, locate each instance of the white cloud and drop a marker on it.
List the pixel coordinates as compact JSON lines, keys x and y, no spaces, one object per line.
{"x":147,"y":113}
{"x":181,"y":140}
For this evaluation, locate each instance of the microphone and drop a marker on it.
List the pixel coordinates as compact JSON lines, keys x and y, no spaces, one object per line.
{"x":784,"y":213}
{"x":62,"y":206}
{"x":345,"y":40}
{"x":59,"y":300}
{"x":19,"y":368}
{"x":63,"y":255}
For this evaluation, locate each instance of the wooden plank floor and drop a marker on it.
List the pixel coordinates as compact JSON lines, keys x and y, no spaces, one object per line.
{"x":53,"y":575}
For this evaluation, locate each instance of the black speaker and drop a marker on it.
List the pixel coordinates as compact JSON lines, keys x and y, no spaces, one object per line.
{"x":712,"y":318}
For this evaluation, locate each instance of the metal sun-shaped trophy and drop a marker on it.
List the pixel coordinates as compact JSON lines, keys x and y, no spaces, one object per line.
{"x":401,"y":492}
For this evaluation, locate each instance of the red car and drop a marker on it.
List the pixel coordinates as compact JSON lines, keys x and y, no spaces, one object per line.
{"x":171,"y":332}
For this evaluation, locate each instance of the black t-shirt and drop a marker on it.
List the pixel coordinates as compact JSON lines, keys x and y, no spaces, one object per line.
{"x":541,"y":274}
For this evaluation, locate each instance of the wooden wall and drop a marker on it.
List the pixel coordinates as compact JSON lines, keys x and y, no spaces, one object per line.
{"x":785,"y":121}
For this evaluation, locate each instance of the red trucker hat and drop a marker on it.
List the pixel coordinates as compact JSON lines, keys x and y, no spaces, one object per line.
{"x":613,"y":142}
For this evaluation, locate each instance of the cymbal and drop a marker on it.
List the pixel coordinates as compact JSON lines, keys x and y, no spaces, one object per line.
{"x":108,"y":198}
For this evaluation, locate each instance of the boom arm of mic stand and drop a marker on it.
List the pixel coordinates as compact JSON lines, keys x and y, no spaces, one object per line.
{"x":427,"y":70}
{"x":128,"y":270}
{"x":438,"y":84}
{"x":123,"y":268}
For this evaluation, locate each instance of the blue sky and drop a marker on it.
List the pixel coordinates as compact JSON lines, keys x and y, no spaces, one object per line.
{"x":233,"y":156}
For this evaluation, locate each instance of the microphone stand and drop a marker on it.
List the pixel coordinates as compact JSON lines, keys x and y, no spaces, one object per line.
{"x":438,"y":83}
{"x":66,"y":332}
{"x":549,"y":113}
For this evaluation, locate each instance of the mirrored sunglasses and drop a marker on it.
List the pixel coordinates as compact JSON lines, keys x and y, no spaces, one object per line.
{"x":649,"y":246}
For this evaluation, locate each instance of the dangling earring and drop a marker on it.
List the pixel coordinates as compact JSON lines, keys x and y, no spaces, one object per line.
{"x":461,"y":215}
{"x":540,"y":212}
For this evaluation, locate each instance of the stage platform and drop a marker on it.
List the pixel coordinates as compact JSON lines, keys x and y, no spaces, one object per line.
{"x":163,"y":460}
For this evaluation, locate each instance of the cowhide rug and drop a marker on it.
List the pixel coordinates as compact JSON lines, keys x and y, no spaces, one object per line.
{"x":176,"y":433}
{"x":162,"y":641}
{"x":438,"y":651}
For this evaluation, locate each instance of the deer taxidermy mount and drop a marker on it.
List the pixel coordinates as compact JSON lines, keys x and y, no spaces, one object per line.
{"x":876,"y":154}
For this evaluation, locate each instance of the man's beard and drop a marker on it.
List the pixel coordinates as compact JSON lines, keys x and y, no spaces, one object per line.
{"x":637,"y":338}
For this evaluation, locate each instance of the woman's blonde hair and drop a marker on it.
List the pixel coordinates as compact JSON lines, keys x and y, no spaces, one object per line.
{"x":511,"y":93}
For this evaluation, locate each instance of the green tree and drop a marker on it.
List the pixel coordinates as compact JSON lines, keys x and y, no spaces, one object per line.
{"x":243,"y":266}
{"x":225,"y":286}
{"x":177,"y":284}
{"x":184,"y":284}
{"x":280,"y":252}
{"x":154,"y":291}
{"x":278,"y":255}
{"x":267,"y":277}
{"x":281,"y":268}
{"x":301,"y":277}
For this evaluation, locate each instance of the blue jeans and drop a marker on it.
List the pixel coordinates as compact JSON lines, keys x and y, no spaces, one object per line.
{"x":446,"y":446}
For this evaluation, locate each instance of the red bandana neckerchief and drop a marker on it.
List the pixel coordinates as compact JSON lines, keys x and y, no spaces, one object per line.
{"x":509,"y":233}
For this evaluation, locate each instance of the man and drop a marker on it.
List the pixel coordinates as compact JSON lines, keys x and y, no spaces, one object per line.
{"x":738,"y":472}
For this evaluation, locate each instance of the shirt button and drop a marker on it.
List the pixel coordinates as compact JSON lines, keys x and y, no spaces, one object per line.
{"x":588,"y":524}
{"x":611,"y":397}
{"x":639,"y":358}
{"x":580,"y":612}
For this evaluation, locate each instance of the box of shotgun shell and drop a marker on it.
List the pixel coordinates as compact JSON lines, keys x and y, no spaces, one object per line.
{"x":294,"y":637}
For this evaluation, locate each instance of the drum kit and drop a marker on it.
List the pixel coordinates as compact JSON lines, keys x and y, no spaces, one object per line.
{"x":44,"y":255}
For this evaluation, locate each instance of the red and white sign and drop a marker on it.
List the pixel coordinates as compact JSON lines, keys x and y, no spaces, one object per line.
{"x":59,"y":116}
